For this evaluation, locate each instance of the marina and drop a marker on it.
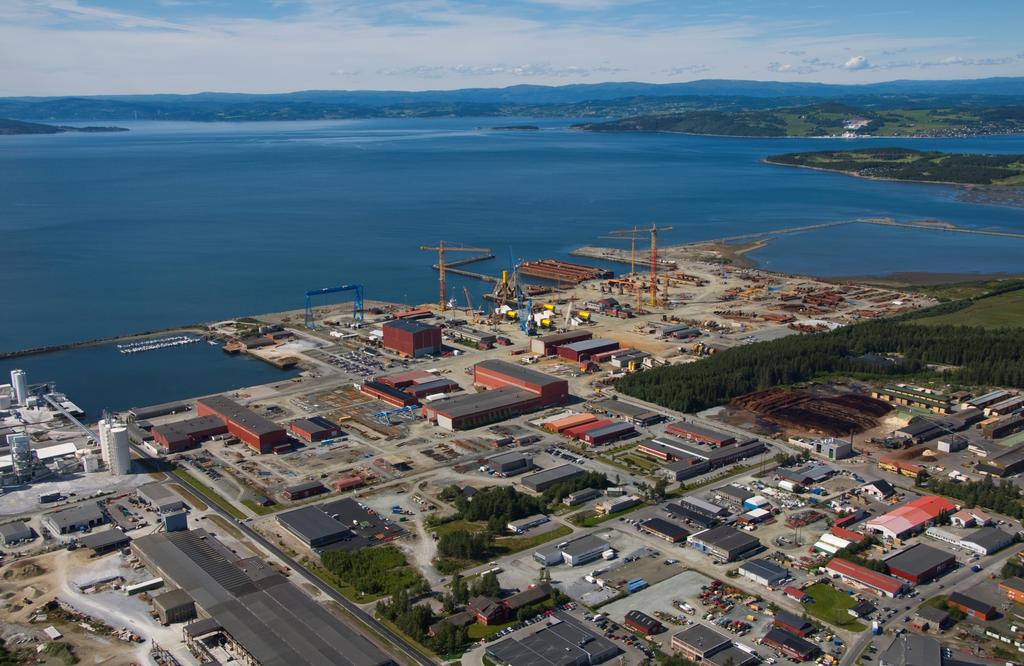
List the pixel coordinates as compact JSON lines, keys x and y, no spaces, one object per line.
{"x":158,"y":343}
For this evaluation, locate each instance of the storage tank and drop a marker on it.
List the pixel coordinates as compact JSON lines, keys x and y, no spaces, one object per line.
{"x":19,"y":381}
{"x":90,"y":463}
{"x":114,"y":446}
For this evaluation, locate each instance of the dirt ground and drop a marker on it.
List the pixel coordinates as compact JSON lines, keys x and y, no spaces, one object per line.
{"x":27,"y":585}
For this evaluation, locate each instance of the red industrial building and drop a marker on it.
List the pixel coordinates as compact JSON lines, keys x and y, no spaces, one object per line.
{"x":577,"y":432}
{"x":388,"y":394}
{"x":866,"y":578}
{"x":513,"y":390}
{"x":412,"y":338}
{"x":585,"y":349}
{"x":499,"y":374}
{"x":257,"y":431}
{"x":187,"y":434}
{"x":347,"y":482}
{"x":314,"y":429}
{"x":642,"y":623}
{"x":304,"y":490}
{"x":979,"y":610}
{"x":794,"y":624}
{"x":547,"y":344}
{"x":609,"y":433}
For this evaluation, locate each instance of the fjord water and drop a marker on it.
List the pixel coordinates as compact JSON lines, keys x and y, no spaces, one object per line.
{"x":173,"y":223}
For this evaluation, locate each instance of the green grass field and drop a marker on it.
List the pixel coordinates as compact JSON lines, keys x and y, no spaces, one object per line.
{"x":830,"y":605}
{"x":1002,"y":311}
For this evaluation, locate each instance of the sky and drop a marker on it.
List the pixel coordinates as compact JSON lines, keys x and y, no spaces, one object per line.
{"x":82,"y":47}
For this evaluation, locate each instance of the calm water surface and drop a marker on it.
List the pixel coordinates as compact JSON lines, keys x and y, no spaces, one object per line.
{"x":173,"y":223}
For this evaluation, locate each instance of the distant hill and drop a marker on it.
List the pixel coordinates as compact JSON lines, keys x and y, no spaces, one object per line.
{"x":8,"y":126}
{"x":592,"y":99}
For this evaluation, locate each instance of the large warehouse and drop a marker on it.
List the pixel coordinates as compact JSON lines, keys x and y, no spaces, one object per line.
{"x":187,"y":434}
{"x":254,"y":607}
{"x":585,"y":349}
{"x":494,"y":374}
{"x":866,"y":578}
{"x":920,"y":563}
{"x":412,"y":338}
{"x":540,"y":481}
{"x":259,"y":432}
{"x":725,"y":542}
{"x":547,"y":344}
{"x":911,"y":518}
{"x":514,"y":390}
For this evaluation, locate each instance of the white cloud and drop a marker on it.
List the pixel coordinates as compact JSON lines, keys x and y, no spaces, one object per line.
{"x":857,"y":63}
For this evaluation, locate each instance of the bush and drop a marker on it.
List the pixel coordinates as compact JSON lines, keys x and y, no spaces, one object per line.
{"x":381,"y":570}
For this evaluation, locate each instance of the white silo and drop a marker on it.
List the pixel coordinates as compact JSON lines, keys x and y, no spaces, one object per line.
{"x":20,"y":383}
{"x":114,"y":446}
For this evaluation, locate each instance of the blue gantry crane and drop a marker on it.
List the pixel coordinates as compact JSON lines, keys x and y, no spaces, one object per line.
{"x":357,"y":301}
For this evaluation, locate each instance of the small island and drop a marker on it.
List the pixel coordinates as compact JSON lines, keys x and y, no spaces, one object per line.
{"x":913,"y":165}
{"x":517,"y":128}
{"x":10,"y":127}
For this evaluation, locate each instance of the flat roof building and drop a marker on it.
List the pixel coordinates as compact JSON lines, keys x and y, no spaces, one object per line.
{"x":987,"y":540}
{"x":540,"y":481}
{"x":583,"y":550}
{"x":105,"y":541}
{"x":880,"y":583}
{"x":187,"y":434}
{"x":511,"y":463}
{"x":411,"y":338}
{"x":920,"y":563}
{"x":15,"y":532}
{"x":258,"y":432}
{"x":545,"y":345}
{"x":699,"y":642}
{"x":908,"y":649}
{"x":256,"y":608}
{"x":314,"y":527}
{"x":161,"y":498}
{"x":725,"y":542}
{"x":699,"y":433}
{"x":764,"y":572}
{"x":472,"y":410}
{"x":315,"y":429}
{"x":75,"y":518}
{"x":562,"y":641}
{"x":583,"y":350}
{"x":663,"y":529}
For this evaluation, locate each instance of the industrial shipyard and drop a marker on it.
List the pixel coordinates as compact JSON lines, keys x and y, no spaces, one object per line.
{"x":463,"y":482}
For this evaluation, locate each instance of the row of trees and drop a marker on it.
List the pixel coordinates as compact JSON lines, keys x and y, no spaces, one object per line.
{"x":983,"y":357}
{"x":855,"y":553}
{"x":382,"y":570}
{"x":1004,"y":497}
{"x":556,"y":493}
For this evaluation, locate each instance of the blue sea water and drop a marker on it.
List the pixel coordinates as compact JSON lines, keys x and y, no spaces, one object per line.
{"x":173,"y":223}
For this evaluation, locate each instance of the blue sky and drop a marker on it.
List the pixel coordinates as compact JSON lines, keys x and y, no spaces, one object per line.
{"x":65,"y":47}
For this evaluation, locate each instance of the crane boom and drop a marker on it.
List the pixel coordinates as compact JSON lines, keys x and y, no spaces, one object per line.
{"x":441,"y":249}
{"x":653,"y":230}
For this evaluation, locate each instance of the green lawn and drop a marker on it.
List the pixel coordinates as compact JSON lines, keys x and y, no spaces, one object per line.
{"x":589,"y":519}
{"x":830,"y":605}
{"x":1002,"y":311}
{"x":260,"y":510}
{"x":509,"y":545}
{"x":478,"y":631}
{"x":209,"y":493}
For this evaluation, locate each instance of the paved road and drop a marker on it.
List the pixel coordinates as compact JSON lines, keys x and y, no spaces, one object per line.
{"x":397,"y":643}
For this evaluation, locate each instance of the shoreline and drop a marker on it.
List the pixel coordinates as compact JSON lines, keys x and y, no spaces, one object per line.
{"x":853,"y":174}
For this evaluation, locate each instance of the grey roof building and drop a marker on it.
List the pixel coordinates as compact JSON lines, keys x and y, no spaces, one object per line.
{"x":105,"y":541}
{"x":74,"y":518}
{"x":987,"y":540}
{"x":14,"y":532}
{"x":314,"y":527}
{"x":583,"y":550}
{"x":160,"y":497}
{"x":561,"y":642}
{"x":256,"y":607}
{"x":764,"y":572}
{"x":544,"y":479}
{"x":909,"y":649}
{"x":725,"y":542}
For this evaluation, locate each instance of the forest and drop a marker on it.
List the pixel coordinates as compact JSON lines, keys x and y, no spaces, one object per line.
{"x":981,"y":357}
{"x":382,"y":570}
